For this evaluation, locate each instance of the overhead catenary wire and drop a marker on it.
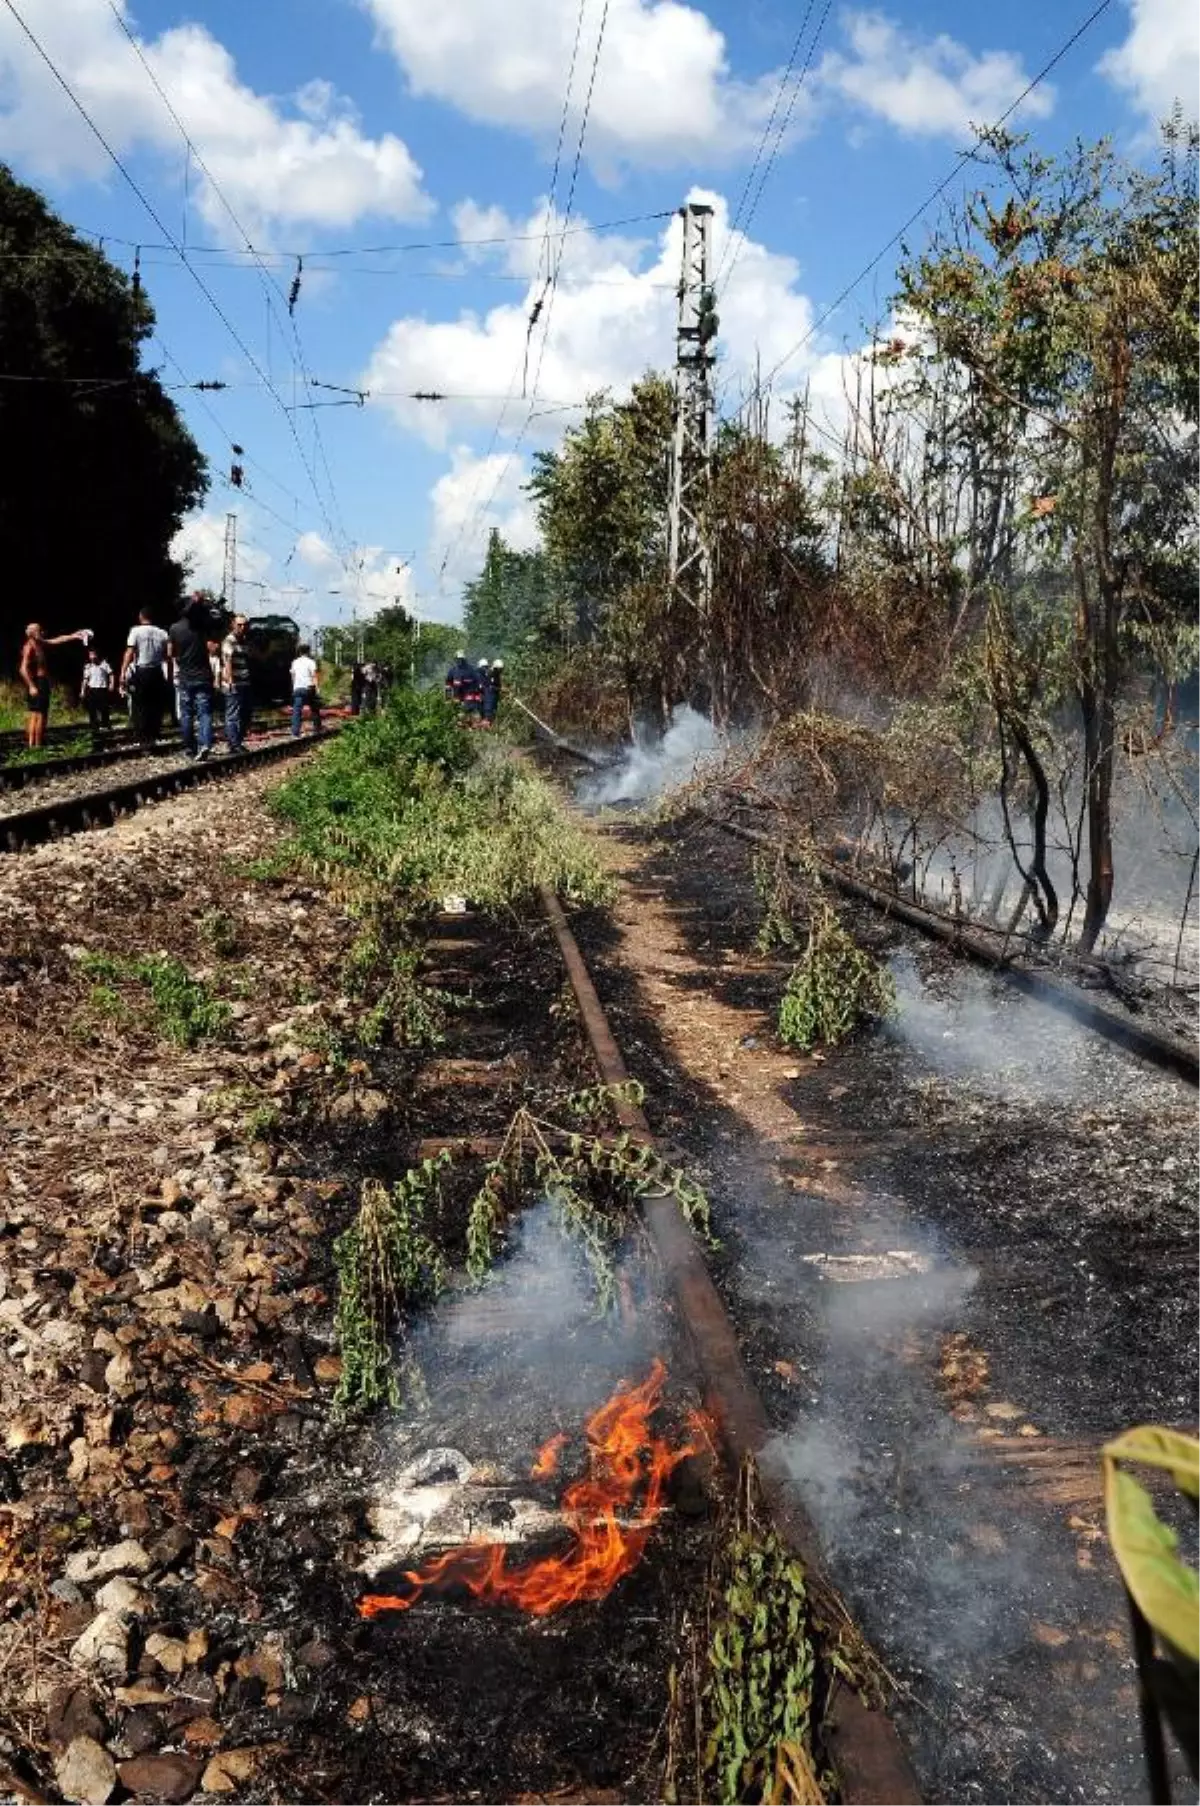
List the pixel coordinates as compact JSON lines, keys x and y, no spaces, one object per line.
{"x":533,"y":413}
{"x":785,"y":121}
{"x":552,"y":196}
{"x":145,"y":201}
{"x":310,"y":252}
{"x":780,"y":90}
{"x":473,"y":513}
{"x":267,"y":277}
{"x":960,"y":163}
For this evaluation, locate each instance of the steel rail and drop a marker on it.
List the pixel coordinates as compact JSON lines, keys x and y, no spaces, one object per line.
{"x":863,"y":1742}
{"x":1150,"y":1044}
{"x":13,"y":739}
{"x":101,"y":808}
{"x":20,"y":777}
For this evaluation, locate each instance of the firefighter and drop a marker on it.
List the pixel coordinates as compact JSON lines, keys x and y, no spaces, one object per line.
{"x":495,"y":686}
{"x":460,"y":675}
{"x":473,"y":691}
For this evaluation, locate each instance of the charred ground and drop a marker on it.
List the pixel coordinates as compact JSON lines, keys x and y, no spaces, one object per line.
{"x":944,"y":1425}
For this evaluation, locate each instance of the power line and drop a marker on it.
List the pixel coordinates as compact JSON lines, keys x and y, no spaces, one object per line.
{"x":65,"y":85}
{"x":766,"y":132}
{"x":533,"y":410}
{"x":268,"y":280}
{"x":402,"y":249}
{"x":780,"y":134}
{"x":472,"y":513}
{"x":966,"y":157}
{"x":562,"y":132}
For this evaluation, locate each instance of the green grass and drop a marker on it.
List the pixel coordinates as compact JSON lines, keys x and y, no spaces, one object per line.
{"x":181,"y":1008}
{"x":411,"y":804}
{"x":14,"y":706}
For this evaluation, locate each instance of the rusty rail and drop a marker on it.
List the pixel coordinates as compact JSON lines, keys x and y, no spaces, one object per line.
{"x":863,"y":1742}
{"x":1167,"y":1051}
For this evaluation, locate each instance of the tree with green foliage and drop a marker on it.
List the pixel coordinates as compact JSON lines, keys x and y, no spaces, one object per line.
{"x":100,"y":469}
{"x":510,"y":606}
{"x":415,"y":651}
{"x":1070,"y":314}
{"x":601,"y":506}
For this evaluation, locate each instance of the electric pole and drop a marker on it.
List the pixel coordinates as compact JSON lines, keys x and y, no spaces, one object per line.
{"x":688,"y":547}
{"x":229,"y":570}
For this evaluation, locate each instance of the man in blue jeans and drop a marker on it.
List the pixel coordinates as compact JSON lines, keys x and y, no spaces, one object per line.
{"x":235,"y":676}
{"x":304,"y":691}
{"x":193,"y":674}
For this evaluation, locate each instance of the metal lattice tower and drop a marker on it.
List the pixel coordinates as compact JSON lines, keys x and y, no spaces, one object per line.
{"x":688,"y":550}
{"x":229,"y":568}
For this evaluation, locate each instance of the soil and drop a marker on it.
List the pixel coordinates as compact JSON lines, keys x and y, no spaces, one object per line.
{"x":960,"y":1254}
{"x":168,"y":1362}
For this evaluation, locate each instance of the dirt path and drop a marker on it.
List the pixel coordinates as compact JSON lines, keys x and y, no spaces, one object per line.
{"x":960,"y":1252}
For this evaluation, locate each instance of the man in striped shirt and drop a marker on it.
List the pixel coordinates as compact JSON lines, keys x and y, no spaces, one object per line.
{"x":235,"y":680}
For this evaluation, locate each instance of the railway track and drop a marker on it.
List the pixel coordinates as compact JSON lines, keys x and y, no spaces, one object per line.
{"x":518,"y":1046}
{"x":857,"y":1295}
{"x":992,"y":948}
{"x":974,"y":1222}
{"x":116,"y":738}
{"x":99,"y":807}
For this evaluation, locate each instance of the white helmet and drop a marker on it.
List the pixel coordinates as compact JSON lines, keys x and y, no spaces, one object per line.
{"x":498,"y":664}
{"x":461,"y":653}
{"x":483,"y":664}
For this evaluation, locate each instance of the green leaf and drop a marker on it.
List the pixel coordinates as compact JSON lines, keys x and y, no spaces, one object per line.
{"x":1156,"y":1447}
{"x":1164,"y":1587}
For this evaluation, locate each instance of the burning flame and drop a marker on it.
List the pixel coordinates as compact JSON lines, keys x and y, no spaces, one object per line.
{"x":546,"y":1460}
{"x":627,"y":1467}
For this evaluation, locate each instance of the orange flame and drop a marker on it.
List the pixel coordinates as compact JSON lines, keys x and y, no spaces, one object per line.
{"x":546,"y":1460}
{"x":624,"y":1460}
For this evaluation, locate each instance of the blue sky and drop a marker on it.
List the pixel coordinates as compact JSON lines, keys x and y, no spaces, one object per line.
{"x":350,"y":125}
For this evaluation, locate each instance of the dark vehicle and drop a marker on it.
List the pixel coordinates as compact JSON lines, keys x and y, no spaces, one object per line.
{"x":271,"y":642}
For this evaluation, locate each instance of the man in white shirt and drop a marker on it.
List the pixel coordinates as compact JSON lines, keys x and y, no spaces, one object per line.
{"x":144,"y":676}
{"x":95,"y":693}
{"x":304,"y":690}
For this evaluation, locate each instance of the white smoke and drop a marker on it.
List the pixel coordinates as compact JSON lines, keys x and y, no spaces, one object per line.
{"x":1001,"y":1042}
{"x":650,"y":767}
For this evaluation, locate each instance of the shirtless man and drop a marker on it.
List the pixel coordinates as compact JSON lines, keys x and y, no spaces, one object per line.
{"x":35,"y":675}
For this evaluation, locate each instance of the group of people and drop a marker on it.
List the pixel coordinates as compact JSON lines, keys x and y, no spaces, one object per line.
{"x":192,"y":658}
{"x":475,"y":688}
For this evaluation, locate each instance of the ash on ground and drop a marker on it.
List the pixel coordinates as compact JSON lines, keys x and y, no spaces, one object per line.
{"x":960,"y":1254}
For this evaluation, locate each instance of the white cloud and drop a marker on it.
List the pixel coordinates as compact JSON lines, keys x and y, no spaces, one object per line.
{"x":310,"y":163}
{"x":468,"y":500}
{"x":1157,"y":63}
{"x":317,"y":554}
{"x":612,"y":318}
{"x":925,"y":87}
{"x":327,"y":590}
{"x":663,"y":90}
{"x":199,"y":546}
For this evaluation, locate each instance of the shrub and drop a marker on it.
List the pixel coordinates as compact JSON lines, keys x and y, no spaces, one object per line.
{"x":833,"y":987}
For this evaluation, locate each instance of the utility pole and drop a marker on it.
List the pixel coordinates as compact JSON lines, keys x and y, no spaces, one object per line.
{"x":229,"y":569}
{"x":688,"y":547}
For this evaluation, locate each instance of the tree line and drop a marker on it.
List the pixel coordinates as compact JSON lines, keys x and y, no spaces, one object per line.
{"x":99,"y":467}
{"x":1006,"y":528}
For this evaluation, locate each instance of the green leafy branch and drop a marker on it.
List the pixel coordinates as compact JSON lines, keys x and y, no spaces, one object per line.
{"x":385,"y":1263}
{"x":833,"y":987}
